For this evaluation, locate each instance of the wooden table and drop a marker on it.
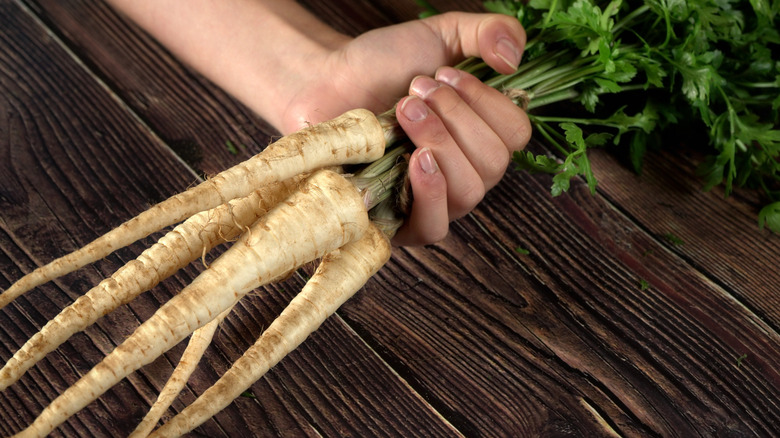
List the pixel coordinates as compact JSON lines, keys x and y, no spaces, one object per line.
{"x":608,"y":326}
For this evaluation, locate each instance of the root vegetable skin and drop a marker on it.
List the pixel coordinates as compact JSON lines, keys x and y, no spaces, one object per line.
{"x":199,"y":342}
{"x":352,"y":138}
{"x":179,"y":247}
{"x":326,"y":213}
{"x":340,"y":274}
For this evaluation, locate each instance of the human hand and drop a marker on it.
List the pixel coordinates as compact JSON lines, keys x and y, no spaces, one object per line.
{"x":464,"y":131}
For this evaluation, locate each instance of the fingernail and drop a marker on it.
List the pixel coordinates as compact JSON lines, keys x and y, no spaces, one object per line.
{"x":422,"y":86}
{"x":508,"y":52}
{"x":414,"y":108}
{"x":448,"y":75}
{"x":427,"y":162}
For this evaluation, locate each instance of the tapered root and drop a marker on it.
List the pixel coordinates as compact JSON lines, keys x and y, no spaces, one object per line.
{"x":326,"y":213}
{"x":199,"y":342}
{"x":179,"y":247}
{"x":352,"y":138}
{"x":340,"y":274}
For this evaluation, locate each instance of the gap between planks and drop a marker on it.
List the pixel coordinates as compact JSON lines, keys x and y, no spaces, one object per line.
{"x":336,"y":316}
{"x":707,"y":276}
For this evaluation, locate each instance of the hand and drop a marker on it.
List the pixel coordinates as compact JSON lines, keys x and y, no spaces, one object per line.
{"x":464,"y":131}
{"x":292,"y":69}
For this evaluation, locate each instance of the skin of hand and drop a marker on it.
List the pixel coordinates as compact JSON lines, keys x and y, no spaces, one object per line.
{"x":464,"y":131}
{"x":293,"y":70}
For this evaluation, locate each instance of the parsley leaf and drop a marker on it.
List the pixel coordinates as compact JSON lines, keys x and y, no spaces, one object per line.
{"x":636,"y":68}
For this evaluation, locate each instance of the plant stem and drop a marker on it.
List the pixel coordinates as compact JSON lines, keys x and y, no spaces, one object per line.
{"x":550,"y":98}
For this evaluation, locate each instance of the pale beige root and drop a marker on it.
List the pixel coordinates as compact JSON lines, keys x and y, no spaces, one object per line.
{"x":199,"y":342}
{"x":340,"y":274}
{"x":177,"y":248}
{"x":352,"y":138}
{"x":326,"y":213}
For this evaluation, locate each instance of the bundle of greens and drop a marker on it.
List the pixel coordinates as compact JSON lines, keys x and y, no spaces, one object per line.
{"x":628,"y":71}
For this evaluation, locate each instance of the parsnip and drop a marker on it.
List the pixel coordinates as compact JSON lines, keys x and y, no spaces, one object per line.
{"x":179,"y":247}
{"x":354,"y":137}
{"x":326,"y":213}
{"x":340,"y":274}
{"x":199,"y":341}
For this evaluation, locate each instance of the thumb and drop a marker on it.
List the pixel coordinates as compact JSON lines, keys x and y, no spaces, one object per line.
{"x":498,"y":39}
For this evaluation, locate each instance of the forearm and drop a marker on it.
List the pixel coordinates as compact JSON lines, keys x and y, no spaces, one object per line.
{"x":254,"y":49}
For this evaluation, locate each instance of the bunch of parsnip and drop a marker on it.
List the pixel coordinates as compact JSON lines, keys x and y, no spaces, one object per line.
{"x":709,"y":62}
{"x":286,"y":207}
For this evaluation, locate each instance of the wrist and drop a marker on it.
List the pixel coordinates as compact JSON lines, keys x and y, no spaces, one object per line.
{"x":281,"y":53}
{"x":259,"y":51}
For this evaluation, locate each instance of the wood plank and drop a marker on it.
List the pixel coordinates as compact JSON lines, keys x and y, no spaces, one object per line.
{"x":564,"y":338}
{"x":191,"y":115}
{"x":67,"y":141}
{"x":719,"y":235}
{"x":562,"y":341}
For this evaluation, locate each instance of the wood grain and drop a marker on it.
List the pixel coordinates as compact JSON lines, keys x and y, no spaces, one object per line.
{"x":60,"y":192}
{"x":465,"y":338}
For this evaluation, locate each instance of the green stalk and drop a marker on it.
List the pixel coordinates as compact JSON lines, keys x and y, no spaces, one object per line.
{"x":629,"y":18}
{"x":531,"y":79}
{"x":565,"y":95}
{"x":567,"y":80}
{"x":532,"y":68}
{"x":656,"y":34}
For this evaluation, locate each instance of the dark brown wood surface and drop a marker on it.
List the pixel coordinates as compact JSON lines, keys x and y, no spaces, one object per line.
{"x":466,"y":337}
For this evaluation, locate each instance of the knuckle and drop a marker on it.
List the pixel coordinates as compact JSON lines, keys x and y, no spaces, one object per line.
{"x":435,"y":137}
{"x":520,"y":136}
{"x":467,"y":200}
{"x":447,"y":103}
{"x":476,"y":95}
{"x":430,"y":133}
{"x":495,"y":166}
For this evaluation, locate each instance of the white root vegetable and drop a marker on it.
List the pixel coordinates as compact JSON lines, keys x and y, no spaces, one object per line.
{"x":177,"y":248}
{"x":354,"y":137}
{"x":340,"y":274}
{"x":326,"y":213}
{"x":199,"y":342}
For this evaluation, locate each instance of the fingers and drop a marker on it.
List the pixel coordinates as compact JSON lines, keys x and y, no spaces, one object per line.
{"x":425,"y":128}
{"x":509,"y":122}
{"x":428,"y":221}
{"x":497,"y":39}
{"x":470,"y":131}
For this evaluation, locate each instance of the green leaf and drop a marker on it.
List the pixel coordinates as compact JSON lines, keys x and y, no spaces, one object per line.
{"x":597,"y":139}
{"x":711,"y":172}
{"x":697,"y":64}
{"x":589,"y":98}
{"x":428,"y":9}
{"x":699,"y":72}
{"x":506,"y":7}
{"x":231,"y":147}
{"x":573,"y":135}
{"x":608,"y":86}
{"x":583,"y":163}
{"x":521,"y":250}
{"x":653,"y":70}
{"x":525,"y":160}
{"x":769,"y":216}
{"x":674,"y":240}
{"x":637,"y":148}
{"x":541,"y":4}
{"x":562,"y":180}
